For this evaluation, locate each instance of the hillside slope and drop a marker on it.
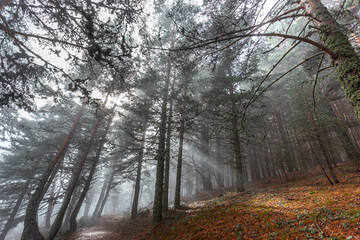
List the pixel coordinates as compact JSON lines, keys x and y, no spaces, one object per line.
{"x":306,"y":207}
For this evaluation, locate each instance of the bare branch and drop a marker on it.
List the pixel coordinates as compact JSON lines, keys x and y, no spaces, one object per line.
{"x":318,"y":45}
{"x":315,"y":82}
{"x":11,"y":31}
{"x":276,"y":80}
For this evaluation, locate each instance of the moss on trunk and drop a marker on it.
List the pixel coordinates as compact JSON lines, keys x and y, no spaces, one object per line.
{"x":347,"y":62}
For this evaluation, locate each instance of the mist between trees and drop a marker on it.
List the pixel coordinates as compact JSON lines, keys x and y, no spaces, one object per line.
{"x":108,"y":107}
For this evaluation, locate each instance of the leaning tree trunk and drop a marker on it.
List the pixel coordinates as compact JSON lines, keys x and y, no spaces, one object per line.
{"x":320,"y":141}
{"x":181,"y":142}
{"x":55,"y":171}
{"x":134,"y":207}
{"x":101,"y":196}
{"x":73,"y":223}
{"x":346,"y":62}
{"x":31,"y":228}
{"x":88,"y":205}
{"x":24,"y":190}
{"x":318,"y":161}
{"x":159,"y":184}
{"x":75,"y":197}
{"x":50,"y":207}
{"x":72,"y":184}
{"x":107,"y":192}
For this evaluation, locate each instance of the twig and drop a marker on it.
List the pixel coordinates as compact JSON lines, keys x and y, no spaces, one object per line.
{"x":318,"y":225}
{"x":267,"y":75}
{"x":276,"y":80}
{"x":315,"y":82}
{"x":318,"y":45}
{"x":12,"y":31}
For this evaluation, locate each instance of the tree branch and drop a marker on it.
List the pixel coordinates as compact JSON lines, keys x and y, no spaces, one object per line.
{"x":12,"y":31}
{"x":318,"y":45}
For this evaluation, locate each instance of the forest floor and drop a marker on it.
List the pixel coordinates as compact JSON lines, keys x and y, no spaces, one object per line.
{"x":305,"y":207}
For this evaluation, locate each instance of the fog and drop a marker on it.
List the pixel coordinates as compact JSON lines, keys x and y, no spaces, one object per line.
{"x":128,"y":110}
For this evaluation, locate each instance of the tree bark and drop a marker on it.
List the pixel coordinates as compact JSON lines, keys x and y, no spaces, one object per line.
{"x":20,"y":198}
{"x":74,"y":198}
{"x":181,"y":142}
{"x":347,"y":62}
{"x":101,"y":196}
{"x":205,"y":149}
{"x":266,"y":161}
{"x":103,"y":202}
{"x":239,"y":183}
{"x":72,"y":185}
{"x":220,"y":166}
{"x":165,"y":201}
{"x":73,"y":223}
{"x":50,"y":207}
{"x":53,"y":174}
{"x":320,"y":142}
{"x":254,"y":166}
{"x":134,"y":208}
{"x":159,"y":184}
{"x":284,"y":140}
{"x":351,"y":152}
{"x":274,"y":169}
{"x":317,"y":159}
{"x":31,"y":228}
{"x":88,"y":205}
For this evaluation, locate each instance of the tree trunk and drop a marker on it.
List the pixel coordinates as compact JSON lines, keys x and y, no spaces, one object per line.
{"x":75,"y":197}
{"x":88,"y":205}
{"x":330,"y":148}
{"x":320,"y":142}
{"x":72,"y":185}
{"x":24,"y":190}
{"x":274,"y":169}
{"x":181,"y":142}
{"x":103,"y":202}
{"x":239,"y":183}
{"x":55,"y":171}
{"x":266,"y":162}
{"x":101,"y":196}
{"x":284,"y":140}
{"x":135,"y":203}
{"x":254,"y":166}
{"x":303,"y":163}
{"x":351,"y":152}
{"x":326,"y":156}
{"x":50,"y":207}
{"x":205,"y":150}
{"x":219,"y":165}
{"x":159,"y":184}
{"x":347,"y":62}
{"x":317,"y":159}
{"x":165,"y":201}
{"x":73,"y":223}
{"x":31,"y":228}
{"x":349,"y":147}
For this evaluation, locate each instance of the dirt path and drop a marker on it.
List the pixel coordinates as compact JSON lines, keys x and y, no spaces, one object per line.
{"x":103,"y":228}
